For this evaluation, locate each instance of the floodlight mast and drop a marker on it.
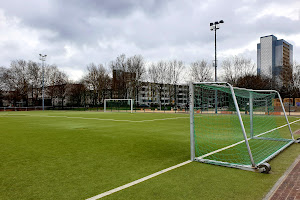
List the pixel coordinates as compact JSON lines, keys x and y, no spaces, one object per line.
{"x":214,"y":26}
{"x":43,"y":59}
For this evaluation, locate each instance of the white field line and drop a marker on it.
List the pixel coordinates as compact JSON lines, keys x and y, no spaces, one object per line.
{"x":222,"y":149}
{"x":277,"y":128}
{"x":151,"y":120}
{"x":137,"y":181}
{"x":116,"y":120}
{"x":227,"y":147}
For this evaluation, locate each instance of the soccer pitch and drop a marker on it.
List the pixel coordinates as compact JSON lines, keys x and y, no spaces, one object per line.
{"x":78,"y":155}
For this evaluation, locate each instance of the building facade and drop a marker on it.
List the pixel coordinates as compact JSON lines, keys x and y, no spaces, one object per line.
{"x":158,"y":95}
{"x":273,"y":55}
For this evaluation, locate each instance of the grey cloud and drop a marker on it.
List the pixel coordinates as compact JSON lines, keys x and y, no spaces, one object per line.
{"x":69,"y":18}
{"x":154,"y":28}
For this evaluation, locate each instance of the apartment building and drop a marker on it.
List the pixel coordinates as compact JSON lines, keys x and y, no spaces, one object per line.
{"x":273,"y":55}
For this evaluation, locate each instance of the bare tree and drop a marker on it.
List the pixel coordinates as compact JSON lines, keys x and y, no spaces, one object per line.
{"x":76,"y":93}
{"x":296,"y":75}
{"x":174,"y":76}
{"x":34,"y":73}
{"x":237,"y":67}
{"x":55,"y":83}
{"x":97,"y":81}
{"x":2,"y":71}
{"x":296,"y":79}
{"x":153,"y":80}
{"x":201,"y":71}
{"x":136,"y":69}
{"x":254,"y":82}
{"x":15,"y":78}
{"x":61,"y":86}
{"x":177,"y":68}
{"x":2,"y":85}
{"x":153,"y":73}
{"x":92,"y":82}
{"x":51,"y":79}
{"x":127,"y":76}
{"x":23,"y":81}
{"x":158,"y":76}
{"x":120,"y":77}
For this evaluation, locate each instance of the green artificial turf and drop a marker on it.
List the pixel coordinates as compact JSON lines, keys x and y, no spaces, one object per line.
{"x":77,"y":155}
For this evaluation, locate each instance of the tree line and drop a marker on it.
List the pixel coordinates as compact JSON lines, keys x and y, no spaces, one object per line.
{"x":124,"y":77}
{"x":242,"y":72}
{"x":23,"y":80}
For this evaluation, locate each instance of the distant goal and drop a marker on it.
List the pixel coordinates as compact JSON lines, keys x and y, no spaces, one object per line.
{"x":118,"y":105}
{"x":237,"y":127}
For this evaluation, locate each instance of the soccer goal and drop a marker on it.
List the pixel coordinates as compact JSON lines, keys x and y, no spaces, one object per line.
{"x":237,"y":127}
{"x":118,"y":105}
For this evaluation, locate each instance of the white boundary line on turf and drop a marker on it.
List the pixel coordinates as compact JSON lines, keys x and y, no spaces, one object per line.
{"x":137,"y":181}
{"x":116,"y":120}
{"x":227,"y":147}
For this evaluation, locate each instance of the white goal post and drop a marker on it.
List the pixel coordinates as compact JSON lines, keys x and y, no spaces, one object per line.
{"x":237,"y":127}
{"x":130,"y":100}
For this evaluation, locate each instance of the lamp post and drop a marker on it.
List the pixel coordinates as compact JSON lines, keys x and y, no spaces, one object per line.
{"x":43,"y":58}
{"x":214,"y":26}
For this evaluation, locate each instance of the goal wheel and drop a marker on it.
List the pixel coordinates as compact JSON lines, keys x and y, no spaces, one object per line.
{"x":264,"y":168}
{"x":297,"y":140}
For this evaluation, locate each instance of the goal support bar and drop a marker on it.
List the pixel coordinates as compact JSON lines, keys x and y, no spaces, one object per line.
{"x":242,"y":124}
{"x":192,"y":136}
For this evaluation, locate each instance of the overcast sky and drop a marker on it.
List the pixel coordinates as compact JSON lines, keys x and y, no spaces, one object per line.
{"x":78,"y":32}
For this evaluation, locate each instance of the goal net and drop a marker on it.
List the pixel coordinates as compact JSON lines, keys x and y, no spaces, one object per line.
{"x":237,"y":127}
{"x":118,"y":105}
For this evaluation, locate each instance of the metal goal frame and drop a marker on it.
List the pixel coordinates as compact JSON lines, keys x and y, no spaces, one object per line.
{"x":256,"y":167}
{"x":131,"y":103}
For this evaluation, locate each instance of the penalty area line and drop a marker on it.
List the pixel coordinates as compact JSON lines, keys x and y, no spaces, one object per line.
{"x":137,"y":181}
{"x":99,"y":119}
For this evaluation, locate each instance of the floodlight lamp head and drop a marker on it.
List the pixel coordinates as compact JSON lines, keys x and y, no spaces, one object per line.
{"x":211,"y":26}
{"x":221,"y":21}
{"x":216,"y":23}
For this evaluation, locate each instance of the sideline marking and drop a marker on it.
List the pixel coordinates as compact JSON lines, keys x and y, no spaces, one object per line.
{"x":116,"y":120}
{"x":173,"y":167}
{"x":227,"y":147}
{"x":137,"y":181}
